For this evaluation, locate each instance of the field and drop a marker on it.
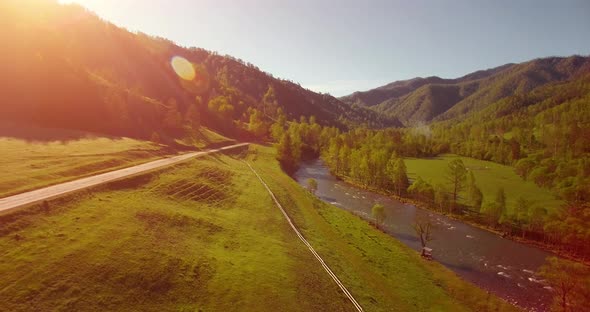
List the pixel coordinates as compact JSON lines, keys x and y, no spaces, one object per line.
{"x":31,"y":157}
{"x":205,"y":236}
{"x":489,"y":177}
{"x":27,"y":165}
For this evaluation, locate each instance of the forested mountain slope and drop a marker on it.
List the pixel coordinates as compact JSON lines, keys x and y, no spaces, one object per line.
{"x":422,"y":100}
{"x":63,"y":66}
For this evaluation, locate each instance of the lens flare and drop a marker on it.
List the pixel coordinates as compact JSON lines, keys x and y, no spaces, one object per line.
{"x":183,"y":68}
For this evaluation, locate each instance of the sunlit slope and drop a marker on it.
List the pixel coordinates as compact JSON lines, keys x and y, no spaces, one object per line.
{"x":63,"y":66}
{"x":206,"y":235}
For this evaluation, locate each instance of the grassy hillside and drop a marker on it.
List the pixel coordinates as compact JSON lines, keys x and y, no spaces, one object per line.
{"x":489,"y":177}
{"x":205,"y":236}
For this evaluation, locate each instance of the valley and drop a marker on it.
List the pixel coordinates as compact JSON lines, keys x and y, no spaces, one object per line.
{"x":294,"y":156}
{"x":148,"y":241}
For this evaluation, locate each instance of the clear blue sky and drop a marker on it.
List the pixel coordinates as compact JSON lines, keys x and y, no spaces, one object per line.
{"x":341,"y":46}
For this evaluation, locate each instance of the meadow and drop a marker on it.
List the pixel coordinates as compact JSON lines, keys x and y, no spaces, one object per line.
{"x":28,"y":165}
{"x":32,"y":157}
{"x":489,"y":177}
{"x":206,"y":236}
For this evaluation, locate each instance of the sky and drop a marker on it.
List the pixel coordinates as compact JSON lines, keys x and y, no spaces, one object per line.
{"x":342,"y":46}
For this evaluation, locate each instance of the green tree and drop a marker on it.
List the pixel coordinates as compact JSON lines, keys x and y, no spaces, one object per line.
{"x":257,"y":126}
{"x":477,"y":198}
{"x":492,"y":212}
{"x":521,"y":213}
{"x":400,"y":176}
{"x":378,"y":212}
{"x":286,"y":154}
{"x":270,"y":103}
{"x":312,"y":185}
{"x":456,"y":174}
{"x":278,"y":127}
{"x":221,"y":106}
{"x":441,"y":197}
{"x":501,"y":199}
{"x":421,"y":190}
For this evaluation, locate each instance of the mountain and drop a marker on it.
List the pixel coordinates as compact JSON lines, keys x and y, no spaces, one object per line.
{"x":422,"y":100}
{"x":63,"y":66}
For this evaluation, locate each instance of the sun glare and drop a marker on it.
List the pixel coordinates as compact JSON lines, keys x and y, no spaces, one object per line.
{"x":183,"y":68}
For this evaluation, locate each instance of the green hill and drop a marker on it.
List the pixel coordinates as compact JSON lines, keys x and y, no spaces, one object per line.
{"x":422,"y":100}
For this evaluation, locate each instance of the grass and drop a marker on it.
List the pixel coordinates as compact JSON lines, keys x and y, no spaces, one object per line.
{"x":489,"y":177}
{"x":28,"y":165}
{"x":205,"y":236}
{"x":205,"y":138}
{"x":33,"y":159}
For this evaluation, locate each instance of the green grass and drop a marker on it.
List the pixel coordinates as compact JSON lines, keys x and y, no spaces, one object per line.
{"x":28,"y":165}
{"x":205,"y":138}
{"x":489,"y":177}
{"x":206,"y":236}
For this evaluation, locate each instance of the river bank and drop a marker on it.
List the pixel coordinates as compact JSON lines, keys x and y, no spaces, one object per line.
{"x":501,"y":266}
{"x":461,"y":218}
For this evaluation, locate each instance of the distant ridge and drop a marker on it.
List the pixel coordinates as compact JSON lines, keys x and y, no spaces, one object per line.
{"x":422,"y":100}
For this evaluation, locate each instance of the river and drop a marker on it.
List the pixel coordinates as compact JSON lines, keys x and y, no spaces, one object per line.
{"x":501,"y":266}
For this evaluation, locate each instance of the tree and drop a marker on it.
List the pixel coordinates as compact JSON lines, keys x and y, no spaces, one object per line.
{"x":521,"y":213}
{"x":456,"y":174}
{"x":269,"y":102}
{"x":492,"y":212}
{"x":172,"y":118}
{"x":278,"y":127}
{"x":400,"y":176}
{"x":257,"y":125}
{"x":423,"y":229}
{"x":477,"y":198}
{"x":473,"y":192}
{"x":571,"y":282}
{"x":312,"y":185}
{"x":422,"y":190}
{"x":501,"y":199}
{"x":286,"y":155}
{"x":537,"y":217}
{"x":441,"y":197}
{"x":221,"y":106}
{"x":378,"y":212}
{"x":192,"y":117}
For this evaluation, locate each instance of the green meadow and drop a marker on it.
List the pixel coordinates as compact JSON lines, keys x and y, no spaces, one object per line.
{"x":29,"y":160}
{"x":28,"y":165}
{"x":489,"y":177}
{"x":206,"y":236}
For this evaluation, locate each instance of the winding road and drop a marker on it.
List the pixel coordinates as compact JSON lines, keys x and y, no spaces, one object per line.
{"x":57,"y":190}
